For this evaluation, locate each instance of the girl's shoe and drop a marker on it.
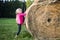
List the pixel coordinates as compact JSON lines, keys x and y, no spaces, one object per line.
{"x":15,"y":36}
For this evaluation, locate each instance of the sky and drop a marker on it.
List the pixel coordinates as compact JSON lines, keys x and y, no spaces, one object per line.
{"x":20,"y":0}
{"x":25,"y":0}
{"x":12,"y":0}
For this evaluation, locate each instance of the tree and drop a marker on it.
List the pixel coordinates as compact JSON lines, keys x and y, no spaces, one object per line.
{"x":28,"y":3}
{"x":7,"y":9}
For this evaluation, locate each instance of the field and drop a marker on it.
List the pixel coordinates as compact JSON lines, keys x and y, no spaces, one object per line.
{"x":8,"y":29}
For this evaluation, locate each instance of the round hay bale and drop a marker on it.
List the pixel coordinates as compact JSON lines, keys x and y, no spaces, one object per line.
{"x":44,"y":21}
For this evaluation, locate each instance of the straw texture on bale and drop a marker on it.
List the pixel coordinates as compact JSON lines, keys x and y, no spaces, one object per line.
{"x":44,"y":21}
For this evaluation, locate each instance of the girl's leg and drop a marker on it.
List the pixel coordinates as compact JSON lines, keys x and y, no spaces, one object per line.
{"x":19,"y":29}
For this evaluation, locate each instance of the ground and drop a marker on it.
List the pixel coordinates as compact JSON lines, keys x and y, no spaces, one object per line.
{"x":8,"y":29}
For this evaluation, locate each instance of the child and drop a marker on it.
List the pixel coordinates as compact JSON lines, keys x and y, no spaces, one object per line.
{"x":19,"y":19}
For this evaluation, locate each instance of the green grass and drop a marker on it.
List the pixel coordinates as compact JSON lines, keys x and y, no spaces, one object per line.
{"x":8,"y":29}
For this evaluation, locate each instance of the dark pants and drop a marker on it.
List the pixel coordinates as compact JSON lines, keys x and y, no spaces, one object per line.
{"x":19,"y":29}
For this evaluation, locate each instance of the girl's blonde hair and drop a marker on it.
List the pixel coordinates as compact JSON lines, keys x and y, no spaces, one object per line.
{"x":18,"y":10}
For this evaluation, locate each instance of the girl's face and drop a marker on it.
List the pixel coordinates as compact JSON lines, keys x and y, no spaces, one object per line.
{"x":19,"y":11}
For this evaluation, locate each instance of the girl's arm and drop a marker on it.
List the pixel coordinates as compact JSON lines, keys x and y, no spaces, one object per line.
{"x":23,"y":14}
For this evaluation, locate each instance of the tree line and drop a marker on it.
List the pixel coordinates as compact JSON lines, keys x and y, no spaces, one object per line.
{"x":7,"y":9}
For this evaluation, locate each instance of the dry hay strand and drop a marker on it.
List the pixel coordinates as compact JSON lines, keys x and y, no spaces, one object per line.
{"x":44,"y":21}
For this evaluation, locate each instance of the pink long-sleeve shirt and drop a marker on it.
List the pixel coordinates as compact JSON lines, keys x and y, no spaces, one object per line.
{"x":20,"y":18}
